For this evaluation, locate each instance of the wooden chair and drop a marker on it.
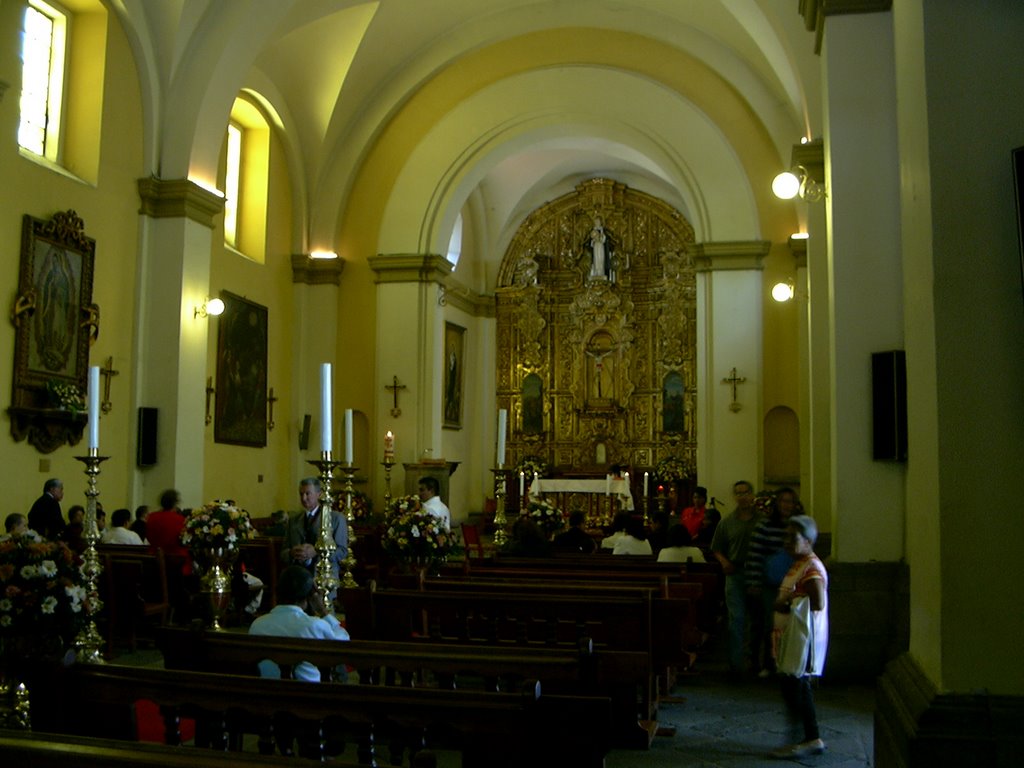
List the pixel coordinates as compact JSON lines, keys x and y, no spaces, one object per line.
{"x":474,"y":542}
{"x":136,"y":589}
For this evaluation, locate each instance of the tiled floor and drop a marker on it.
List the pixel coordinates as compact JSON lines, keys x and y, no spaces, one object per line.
{"x":723,"y":724}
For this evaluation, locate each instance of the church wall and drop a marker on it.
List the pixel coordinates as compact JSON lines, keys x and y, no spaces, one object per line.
{"x":109,"y":209}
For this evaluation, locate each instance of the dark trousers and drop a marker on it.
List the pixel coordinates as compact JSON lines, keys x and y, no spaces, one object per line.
{"x":796,"y":692}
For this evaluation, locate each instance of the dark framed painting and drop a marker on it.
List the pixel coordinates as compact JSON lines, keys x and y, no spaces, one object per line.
{"x":454,"y":358}
{"x":55,"y":324}
{"x":241,"y":410}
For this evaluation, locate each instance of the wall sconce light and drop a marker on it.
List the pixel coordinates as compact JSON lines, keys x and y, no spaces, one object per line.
{"x":798,"y":181}
{"x":783,"y":291}
{"x":211,"y":307}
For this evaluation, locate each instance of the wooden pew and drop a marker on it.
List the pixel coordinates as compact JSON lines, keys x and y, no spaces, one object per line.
{"x":579,"y":671}
{"x":489,"y":729}
{"x":47,"y":750}
{"x":133,"y":587}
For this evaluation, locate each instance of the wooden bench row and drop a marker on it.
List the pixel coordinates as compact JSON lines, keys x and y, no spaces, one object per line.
{"x":531,"y":727}
{"x":579,"y":671}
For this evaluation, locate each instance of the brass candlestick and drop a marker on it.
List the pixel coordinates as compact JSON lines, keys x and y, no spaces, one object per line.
{"x":389,"y":462}
{"x":348,"y":580}
{"x":88,"y":641}
{"x":323,"y":577}
{"x":500,"y":481}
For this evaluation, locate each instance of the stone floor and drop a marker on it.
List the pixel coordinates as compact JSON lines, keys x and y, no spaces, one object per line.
{"x":720,"y":723}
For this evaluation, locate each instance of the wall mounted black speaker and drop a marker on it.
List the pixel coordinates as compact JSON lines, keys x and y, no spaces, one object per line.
{"x":145,"y":455}
{"x":889,"y":405}
{"x":304,"y":434}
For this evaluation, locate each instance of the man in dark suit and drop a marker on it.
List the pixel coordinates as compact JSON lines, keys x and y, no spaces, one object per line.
{"x":303,"y":530}
{"x":45,"y":517}
{"x":575,"y":540}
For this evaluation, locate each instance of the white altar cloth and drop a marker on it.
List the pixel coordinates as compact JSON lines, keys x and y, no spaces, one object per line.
{"x":612,"y":487}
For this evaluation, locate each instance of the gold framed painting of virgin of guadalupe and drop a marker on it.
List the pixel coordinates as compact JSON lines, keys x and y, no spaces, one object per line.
{"x":55,"y":323}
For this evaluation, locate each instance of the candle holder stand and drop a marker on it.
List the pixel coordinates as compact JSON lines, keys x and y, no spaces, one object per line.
{"x":326,"y":583}
{"x":500,"y":489}
{"x":348,"y":579}
{"x":647,"y":507}
{"x":88,"y":641}
{"x":388,"y":463}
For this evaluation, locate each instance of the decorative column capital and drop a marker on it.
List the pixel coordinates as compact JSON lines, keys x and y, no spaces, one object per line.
{"x":179,"y":198}
{"x":410,"y":267}
{"x":718,"y":256}
{"x":310,"y":271}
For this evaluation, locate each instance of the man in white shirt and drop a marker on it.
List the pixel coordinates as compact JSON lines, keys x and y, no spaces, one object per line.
{"x":429,"y":490}
{"x":299,"y":612}
{"x":118,"y":533}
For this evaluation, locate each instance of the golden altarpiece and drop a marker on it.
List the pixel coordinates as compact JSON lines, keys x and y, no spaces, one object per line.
{"x":596,"y":333}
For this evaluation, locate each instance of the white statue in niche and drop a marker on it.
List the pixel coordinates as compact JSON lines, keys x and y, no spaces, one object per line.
{"x":599,"y":264}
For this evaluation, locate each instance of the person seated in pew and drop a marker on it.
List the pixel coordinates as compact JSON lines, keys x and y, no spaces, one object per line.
{"x":139,"y":526}
{"x":278,"y":524}
{"x":575,"y":540}
{"x":15,"y":524}
{"x":118,"y":532}
{"x":528,"y":540}
{"x":618,"y":530}
{"x":299,"y":612}
{"x":658,"y":535}
{"x":634,"y":542}
{"x":680,"y":547}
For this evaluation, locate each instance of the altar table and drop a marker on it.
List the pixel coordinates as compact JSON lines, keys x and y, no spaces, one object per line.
{"x":595,"y":489}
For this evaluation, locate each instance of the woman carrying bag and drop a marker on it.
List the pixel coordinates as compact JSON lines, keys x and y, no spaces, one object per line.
{"x":800,"y":635}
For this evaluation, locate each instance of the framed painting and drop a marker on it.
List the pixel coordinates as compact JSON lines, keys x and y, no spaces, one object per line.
{"x":55,"y":322}
{"x":454,"y":350}
{"x":240,"y":416}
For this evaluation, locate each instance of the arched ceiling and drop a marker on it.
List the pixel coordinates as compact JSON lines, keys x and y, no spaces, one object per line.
{"x":394,"y":114}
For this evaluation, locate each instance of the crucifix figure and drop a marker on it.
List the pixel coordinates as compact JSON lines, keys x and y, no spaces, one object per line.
{"x":394,"y":387}
{"x":734,"y":380}
{"x":107,"y":372}
{"x":271,"y":399}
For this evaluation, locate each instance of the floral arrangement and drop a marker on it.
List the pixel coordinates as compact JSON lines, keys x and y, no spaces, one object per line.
{"x":531,"y":465}
{"x":547,"y":516}
{"x":673,"y":468}
{"x":68,"y":397}
{"x":219,"y":525}
{"x":42,"y":589}
{"x":411,"y":534}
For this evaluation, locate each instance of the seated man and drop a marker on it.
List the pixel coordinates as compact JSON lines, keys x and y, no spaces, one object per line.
{"x":575,"y":539}
{"x":118,"y":532}
{"x":634,"y":542}
{"x":299,"y":612}
{"x":15,"y":524}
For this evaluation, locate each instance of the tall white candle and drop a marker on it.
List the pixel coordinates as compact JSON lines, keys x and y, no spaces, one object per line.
{"x":94,"y":407}
{"x":502,"y":428}
{"x":389,"y":445}
{"x":522,"y":484}
{"x":646,"y":478}
{"x":348,"y":435}
{"x":607,"y":485}
{"x":325,"y":407}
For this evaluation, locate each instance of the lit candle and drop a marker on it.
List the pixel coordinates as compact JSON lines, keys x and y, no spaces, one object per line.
{"x":348,"y":436}
{"x":389,"y":445}
{"x":522,"y":483}
{"x":502,"y":427}
{"x":536,"y":477}
{"x":325,"y":407}
{"x":646,"y":478}
{"x":626,"y":478}
{"x":94,"y":407}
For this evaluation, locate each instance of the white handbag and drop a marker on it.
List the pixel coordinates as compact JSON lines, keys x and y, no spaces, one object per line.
{"x":797,"y":641}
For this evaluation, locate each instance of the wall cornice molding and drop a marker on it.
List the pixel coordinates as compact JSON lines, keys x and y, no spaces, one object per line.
{"x":816,"y":11}
{"x":739,"y":254}
{"x":179,"y":198}
{"x":410,"y":268}
{"x":312,"y":271}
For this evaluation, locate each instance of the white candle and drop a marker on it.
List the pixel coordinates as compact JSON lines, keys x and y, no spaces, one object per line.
{"x":535,"y":477}
{"x":522,"y":483}
{"x":646,"y":478}
{"x":502,"y":427}
{"x":389,"y":445}
{"x":348,"y":435}
{"x":607,"y":485}
{"x":325,"y":407}
{"x":94,"y":407}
